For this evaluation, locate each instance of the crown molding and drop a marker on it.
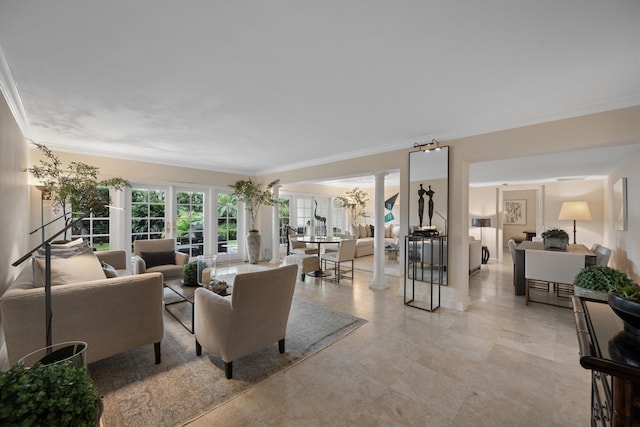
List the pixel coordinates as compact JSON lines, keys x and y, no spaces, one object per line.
{"x":10,"y":91}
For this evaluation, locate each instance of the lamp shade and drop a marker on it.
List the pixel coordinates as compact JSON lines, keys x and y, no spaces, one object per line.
{"x":575,"y":211}
{"x":481,"y":222}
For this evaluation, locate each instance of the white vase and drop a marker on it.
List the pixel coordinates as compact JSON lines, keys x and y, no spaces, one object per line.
{"x":253,"y":246}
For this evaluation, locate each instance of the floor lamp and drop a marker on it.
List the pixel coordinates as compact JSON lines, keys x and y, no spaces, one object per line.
{"x":575,"y":210}
{"x":482,"y":222}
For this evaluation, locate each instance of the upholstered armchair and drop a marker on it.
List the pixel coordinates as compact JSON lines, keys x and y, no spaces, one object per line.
{"x":158,"y":255}
{"x":254,"y":318}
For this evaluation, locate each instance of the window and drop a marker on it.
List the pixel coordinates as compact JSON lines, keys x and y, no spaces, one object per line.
{"x":95,"y":227}
{"x":147,"y":214}
{"x":303,"y":214}
{"x":189,"y":222}
{"x":284,"y":219}
{"x":227,"y":223}
{"x":339,"y":217}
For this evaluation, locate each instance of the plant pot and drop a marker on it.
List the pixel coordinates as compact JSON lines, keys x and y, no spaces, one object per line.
{"x":556,"y":243}
{"x":589,"y":293}
{"x":74,"y":351}
{"x":253,"y":246}
{"x":628,"y":311}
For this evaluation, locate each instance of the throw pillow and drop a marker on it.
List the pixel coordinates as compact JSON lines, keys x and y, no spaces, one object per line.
{"x":387,"y":231}
{"x":109,"y":271}
{"x":80,"y":268}
{"x":372,"y":230}
{"x":355,"y":231}
{"x":364,"y":231}
{"x":154,"y":259}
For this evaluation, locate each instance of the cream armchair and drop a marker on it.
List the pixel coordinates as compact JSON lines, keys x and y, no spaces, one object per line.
{"x":253,"y":318}
{"x":158,"y":255}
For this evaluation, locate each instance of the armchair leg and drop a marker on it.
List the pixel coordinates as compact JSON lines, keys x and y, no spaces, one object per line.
{"x":228,"y":369}
{"x":198,"y":349}
{"x":156,"y":350}
{"x":281,"y":345}
{"x":303,"y":276}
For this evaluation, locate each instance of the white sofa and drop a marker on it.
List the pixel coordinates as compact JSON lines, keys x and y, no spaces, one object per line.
{"x":364,"y":235}
{"x":424,"y":253}
{"x":112,"y":315}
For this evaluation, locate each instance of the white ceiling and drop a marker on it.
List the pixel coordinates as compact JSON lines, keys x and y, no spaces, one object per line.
{"x":255,"y":87}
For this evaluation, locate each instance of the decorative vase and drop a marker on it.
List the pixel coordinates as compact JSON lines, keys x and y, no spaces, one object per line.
{"x":73,"y":351}
{"x":556,"y":243}
{"x":206,"y":269}
{"x":628,"y":311}
{"x":253,"y":246}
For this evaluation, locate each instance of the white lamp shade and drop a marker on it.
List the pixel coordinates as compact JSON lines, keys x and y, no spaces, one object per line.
{"x":575,"y":211}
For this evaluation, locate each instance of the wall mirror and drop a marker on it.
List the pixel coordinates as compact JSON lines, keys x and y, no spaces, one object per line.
{"x":429,"y":202}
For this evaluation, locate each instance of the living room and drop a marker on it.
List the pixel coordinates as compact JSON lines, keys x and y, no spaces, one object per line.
{"x":582,"y":127}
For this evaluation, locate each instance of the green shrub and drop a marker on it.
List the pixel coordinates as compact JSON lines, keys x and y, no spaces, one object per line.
{"x":630,"y":293}
{"x":555,"y":233}
{"x":601,"y":278}
{"x":59,"y":394}
{"x":190,"y":273}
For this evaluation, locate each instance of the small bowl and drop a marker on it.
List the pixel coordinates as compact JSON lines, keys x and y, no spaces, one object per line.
{"x":628,"y":311}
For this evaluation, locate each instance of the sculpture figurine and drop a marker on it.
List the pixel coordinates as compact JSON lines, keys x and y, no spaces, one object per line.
{"x":421,"y":193}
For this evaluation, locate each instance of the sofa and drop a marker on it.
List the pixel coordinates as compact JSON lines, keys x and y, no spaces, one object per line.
{"x":112,"y":315}
{"x":364,"y":235}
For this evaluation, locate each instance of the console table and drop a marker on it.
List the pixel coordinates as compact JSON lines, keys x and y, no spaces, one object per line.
{"x":613,"y":356}
{"x":416,"y":259}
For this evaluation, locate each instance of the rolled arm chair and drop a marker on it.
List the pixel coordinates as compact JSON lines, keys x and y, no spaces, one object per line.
{"x":254,"y":318}
{"x":158,"y":255}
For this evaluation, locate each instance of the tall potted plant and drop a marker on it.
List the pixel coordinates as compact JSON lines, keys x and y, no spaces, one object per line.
{"x":254,"y":195}
{"x":76,"y":185}
{"x":356,"y":201}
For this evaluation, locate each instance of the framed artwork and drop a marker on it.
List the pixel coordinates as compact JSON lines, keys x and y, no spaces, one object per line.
{"x":515,"y":212}
{"x":620,"y":204}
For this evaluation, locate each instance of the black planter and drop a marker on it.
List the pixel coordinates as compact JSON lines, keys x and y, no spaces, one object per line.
{"x":628,"y":311}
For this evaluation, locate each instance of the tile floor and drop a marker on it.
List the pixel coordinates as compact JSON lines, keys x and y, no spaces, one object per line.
{"x":500,"y":363}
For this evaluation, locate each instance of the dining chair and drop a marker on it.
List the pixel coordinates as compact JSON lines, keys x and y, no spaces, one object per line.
{"x":346,"y":253}
{"x":512,"y":249}
{"x":555,"y":267}
{"x":602,"y":255}
{"x":595,"y":247}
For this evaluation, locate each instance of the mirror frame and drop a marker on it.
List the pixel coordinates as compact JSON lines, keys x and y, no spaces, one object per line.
{"x":440,"y":170}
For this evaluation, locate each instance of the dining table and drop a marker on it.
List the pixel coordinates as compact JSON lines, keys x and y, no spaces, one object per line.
{"x":519,"y":272}
{"x":319,"y":240}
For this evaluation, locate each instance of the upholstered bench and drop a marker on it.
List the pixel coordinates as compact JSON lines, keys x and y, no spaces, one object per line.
{"x":306,"y":263}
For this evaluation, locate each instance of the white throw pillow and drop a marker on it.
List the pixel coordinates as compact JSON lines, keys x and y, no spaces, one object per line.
{"x":80,"y":268}
{"x":364,"y":231}
{"x":355,"y":231}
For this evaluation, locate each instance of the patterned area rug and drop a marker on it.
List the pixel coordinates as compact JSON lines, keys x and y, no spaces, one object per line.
{"x":136,"y":392}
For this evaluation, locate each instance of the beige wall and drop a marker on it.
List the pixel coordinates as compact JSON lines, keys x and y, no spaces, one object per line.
{"x":625,"y":244}
{"x":14,"y":193}
{"x":598,"y":130}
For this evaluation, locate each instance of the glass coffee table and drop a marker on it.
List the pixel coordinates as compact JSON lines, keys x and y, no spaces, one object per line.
{"x":179,"y":299}
{"x":392,"y":252}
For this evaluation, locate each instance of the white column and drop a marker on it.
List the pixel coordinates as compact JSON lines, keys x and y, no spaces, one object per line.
{"x":378,"y":281}
{"x":275,"y":241}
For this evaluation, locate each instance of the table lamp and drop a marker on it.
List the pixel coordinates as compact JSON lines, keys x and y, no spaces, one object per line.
{"x":482,"y":222}
{"x":575,"y":210}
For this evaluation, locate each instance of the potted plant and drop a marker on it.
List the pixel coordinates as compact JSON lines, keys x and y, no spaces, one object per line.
{"x":59,"y":394}
{"x":190,"y":274}
{"x":254,"y":195}
{"x":555,"y":239}
{"x":76,"y":185}
{"x":625,"y":302}
{"x":595,"y":281}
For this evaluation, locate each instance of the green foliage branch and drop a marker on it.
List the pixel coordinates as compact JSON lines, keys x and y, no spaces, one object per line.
{"x":356,"y":201}
{"x":555,"y":233}
{"x":75,"y":185}
{"x":254,"y":195}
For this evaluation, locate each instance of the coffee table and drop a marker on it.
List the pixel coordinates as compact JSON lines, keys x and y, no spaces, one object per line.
{"x":179,"y":299}
{"x":392,"y":252}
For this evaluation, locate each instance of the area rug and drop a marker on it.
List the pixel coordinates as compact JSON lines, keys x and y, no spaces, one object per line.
{"x":137,"y":392}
